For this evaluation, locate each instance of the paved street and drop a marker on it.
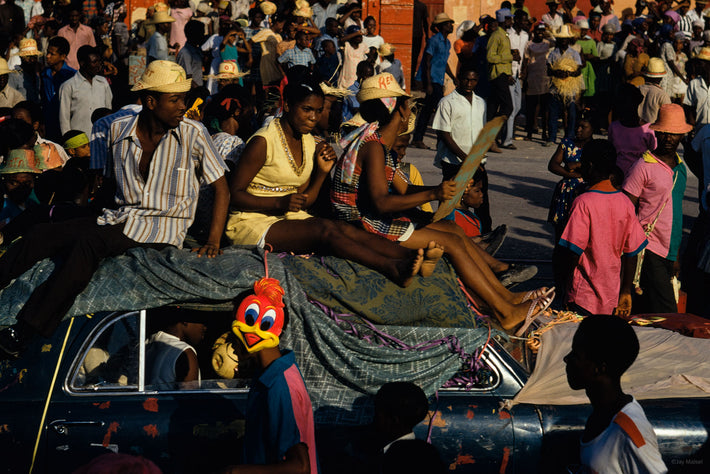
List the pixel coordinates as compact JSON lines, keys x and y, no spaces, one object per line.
{"x":520,"y":193}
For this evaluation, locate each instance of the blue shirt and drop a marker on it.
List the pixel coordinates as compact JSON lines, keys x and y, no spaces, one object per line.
{"x":350,"y":103}
{"x":272,"y":426}
{"x":50,"y":96}
{"x":98,"y":143}
{"x":438,"y":47}
{"x":297,"y":57}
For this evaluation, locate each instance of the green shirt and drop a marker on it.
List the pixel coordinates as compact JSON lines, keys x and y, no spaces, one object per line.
{"x":500,"y":59}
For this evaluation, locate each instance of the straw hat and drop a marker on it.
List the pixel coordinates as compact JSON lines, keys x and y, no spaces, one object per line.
{"x":564,"y":32}
{"x":583,"y":24}
{"x":243,"y":22}
{"x":28,"y":47}
{"x":227,"y":70}
{"x":303,"y":10}
{"x":160,"y":17}
{"x":356,"y":121}
{"x":161,"y":7}
{"x":704,"y":53}
{"x":441,"y":18}
{"x":163,"y":76}
{"x":465,"y":26}
{"x":267,"y":8}
{"x":410,"y":125}
{"x":20,"y":161}
{"x":656,"y":68}
{"x":386,"y":49}
{"x":671,"y":119}
{"x":380,"y":86}
{"x":3,"y":67}
{"x":335,"y":91}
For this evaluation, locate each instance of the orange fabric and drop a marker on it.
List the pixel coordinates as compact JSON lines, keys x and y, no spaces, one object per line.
{"x":629,"y":427}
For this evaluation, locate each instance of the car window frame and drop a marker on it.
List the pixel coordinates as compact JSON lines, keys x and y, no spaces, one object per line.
{"x":138,"y":388}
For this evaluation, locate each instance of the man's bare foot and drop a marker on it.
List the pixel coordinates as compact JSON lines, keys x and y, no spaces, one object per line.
{"x":432,"y":254}
{"x":405,"y":270}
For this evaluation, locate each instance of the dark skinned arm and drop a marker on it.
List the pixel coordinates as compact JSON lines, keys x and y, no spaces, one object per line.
{"x":628,"y":269}
{"x":427,"y":74}
{"x":373,"y":164}
{"x":219,"y":218}
{"x":555,"y":165}
{"x":296,"y":462}
{"x":451,"y":144}
{"x":567,"y":262}
{"x":634,"y":200}
{"x":325,"y":160}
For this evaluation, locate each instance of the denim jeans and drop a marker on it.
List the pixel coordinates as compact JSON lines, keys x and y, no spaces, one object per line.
{"x":557,"y":108}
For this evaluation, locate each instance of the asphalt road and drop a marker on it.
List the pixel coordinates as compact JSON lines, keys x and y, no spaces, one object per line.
{"x":520,"y":189}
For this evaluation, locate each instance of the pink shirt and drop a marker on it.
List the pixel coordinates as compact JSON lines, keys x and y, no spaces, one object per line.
{"x":651,"y":180}
{"x":602,"y":227}
{"x":177,"y":28}
{"x":631,"y":143}
{"x":81,"y":37}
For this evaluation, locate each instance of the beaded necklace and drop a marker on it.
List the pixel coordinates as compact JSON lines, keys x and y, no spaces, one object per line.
{"x":291,"y":161}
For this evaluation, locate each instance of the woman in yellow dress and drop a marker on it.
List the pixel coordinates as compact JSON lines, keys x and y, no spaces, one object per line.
{"x":279,"y":177}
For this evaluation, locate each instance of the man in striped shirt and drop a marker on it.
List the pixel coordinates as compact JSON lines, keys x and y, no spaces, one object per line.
{"x":157,"y":160}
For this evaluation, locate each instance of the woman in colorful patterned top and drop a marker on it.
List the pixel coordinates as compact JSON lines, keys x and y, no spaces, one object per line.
{"x":279,"y":176}
{"x":362,"y":195}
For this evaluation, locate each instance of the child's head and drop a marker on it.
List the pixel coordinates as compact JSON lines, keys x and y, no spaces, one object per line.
{"x":364,"y":70}
{"x":302,"y":39}
{"x":473,"y":196}
{"x":29,"y":112}
{"x":590,"y":362}
{"x":598,"y":161}
{"x":399,"y":407}
{"x":370,"y":25}
{"x":629,"y":99}
{"x":400,"y":145}
{"x":76,"y":144}
{"x":331,"y":27}
{"x":328,"y":47}
{"x":584,"y":130}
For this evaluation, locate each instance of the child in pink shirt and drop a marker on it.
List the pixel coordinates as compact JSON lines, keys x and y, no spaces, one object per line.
{"x":629,"y":137}
{"x":602,"y":236}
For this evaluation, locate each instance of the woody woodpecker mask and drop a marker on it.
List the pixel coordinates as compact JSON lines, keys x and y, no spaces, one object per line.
{"x":260,"y":317}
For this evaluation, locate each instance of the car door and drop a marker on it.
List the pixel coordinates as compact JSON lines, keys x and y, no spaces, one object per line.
{"x":105,"y":406}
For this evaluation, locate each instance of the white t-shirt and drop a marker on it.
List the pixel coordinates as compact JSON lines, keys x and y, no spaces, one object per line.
{"x":463,"y":119}
{"x":627,"y":446}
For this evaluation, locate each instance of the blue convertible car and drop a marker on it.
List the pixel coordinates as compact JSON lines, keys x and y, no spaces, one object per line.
{"x":84,"y":393}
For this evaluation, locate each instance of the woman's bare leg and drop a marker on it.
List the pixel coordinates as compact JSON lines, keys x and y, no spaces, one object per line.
{"x":326,"y":237}
{"x":474,"y":275}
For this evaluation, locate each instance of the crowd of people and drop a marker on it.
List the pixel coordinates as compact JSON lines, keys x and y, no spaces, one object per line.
{"x":212,"y":123}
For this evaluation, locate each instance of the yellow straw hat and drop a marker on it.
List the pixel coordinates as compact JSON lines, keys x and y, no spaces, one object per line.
{"x":410,"y":125}
{"x":160,"y":17}
{"x":564,"y":32}
{"x":386,"y":50}
{"x":267,"y":8}
{"x":161,"y":7}
{"x":380,"y":86}
{"x":28,"y":47}
{"x":163,"y":76}
{"x":441,"y":18}
{"x":656,"y":68}
{"x":704,"y":54}
{"x":227,"y":70}
{"x":3,"y":67}
{"x":335,"y":91}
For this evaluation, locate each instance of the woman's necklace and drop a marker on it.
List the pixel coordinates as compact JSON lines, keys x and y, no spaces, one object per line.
{"x":291,"y":161}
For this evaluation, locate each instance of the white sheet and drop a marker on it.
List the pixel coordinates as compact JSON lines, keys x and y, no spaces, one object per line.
{"x":669,"y":365}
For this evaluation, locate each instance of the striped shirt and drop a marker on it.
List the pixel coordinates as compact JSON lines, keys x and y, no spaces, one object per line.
{"x":161,"y":209}
{"x":99,"y":135}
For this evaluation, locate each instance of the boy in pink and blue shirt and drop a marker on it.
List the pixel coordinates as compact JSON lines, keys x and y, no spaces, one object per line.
{"x":602,"y":235}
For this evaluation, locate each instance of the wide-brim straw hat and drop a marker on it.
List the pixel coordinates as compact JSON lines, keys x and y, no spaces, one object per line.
{"x":465,"y":26}
{"x":656,"y":68}
{"x":356,"y":121}
{"x":28,"y":47}
{"x":704,"y":53}
{"x":441,"y":18}
{"x":410,"y":125}
{"x":386,"y":49}
{"x":380,"y":86}
{"x":160,"y":17}
{"x":4,"y":69}
{"x":335,"y":91}
{"x":671,"y":119}
{"x":228,"y":70}
{"x":163,"y":76}
{"x":564,"y":32}
{"x":268,"y":8}
{"x":20,"y":161}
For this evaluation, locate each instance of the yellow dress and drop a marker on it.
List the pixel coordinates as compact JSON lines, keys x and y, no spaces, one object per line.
{"x":278,"y":177}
